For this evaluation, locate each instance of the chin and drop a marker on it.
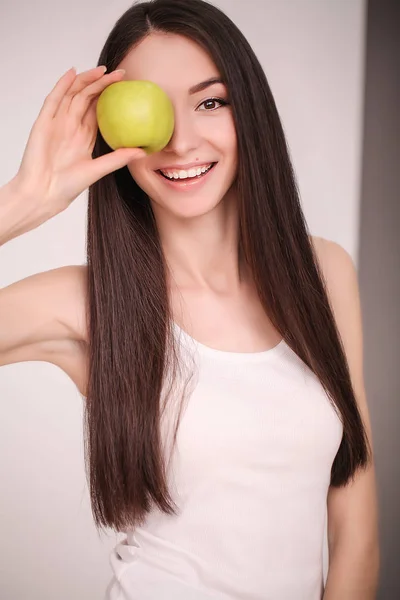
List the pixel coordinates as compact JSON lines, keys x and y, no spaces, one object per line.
{"x":189,"y":208}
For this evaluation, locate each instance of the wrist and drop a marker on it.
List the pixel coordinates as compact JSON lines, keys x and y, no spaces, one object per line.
{"x":15,"y":209}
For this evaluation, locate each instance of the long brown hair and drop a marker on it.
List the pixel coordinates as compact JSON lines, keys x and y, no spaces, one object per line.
{"x":132,"y":354}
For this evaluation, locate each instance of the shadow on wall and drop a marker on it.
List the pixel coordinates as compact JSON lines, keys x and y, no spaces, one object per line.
{"x":379,"y":271}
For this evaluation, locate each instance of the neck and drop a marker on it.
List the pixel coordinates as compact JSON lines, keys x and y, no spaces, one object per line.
{"x":202,"y":252}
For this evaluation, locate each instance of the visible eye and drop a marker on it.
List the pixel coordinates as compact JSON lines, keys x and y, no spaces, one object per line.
{"x":213,"y":101}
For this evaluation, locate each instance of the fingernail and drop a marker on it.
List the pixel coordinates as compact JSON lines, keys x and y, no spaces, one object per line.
{"x":119,"y":71}
{"x":103,"y":67}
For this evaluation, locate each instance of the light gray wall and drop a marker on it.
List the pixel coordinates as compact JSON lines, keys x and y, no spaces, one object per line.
{"x":313,"y":54}
{"x":379,"y":271}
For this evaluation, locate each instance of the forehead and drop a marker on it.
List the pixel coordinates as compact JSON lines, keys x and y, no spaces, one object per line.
{"x":172,"y":61}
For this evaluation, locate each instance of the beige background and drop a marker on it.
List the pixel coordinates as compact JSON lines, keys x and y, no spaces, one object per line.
{"x":313,"y":52}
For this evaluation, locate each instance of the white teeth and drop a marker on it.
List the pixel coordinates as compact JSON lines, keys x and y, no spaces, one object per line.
{"x":194,"y":172}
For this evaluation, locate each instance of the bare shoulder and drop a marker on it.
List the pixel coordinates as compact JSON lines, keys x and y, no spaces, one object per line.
{"x":325,"y":249}
{"x":341,"y":279}
{"x":337,"y":266}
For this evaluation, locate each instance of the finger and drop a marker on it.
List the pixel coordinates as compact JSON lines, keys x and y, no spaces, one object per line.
{"x":85,"y":78}
{"x":106,"y":164}
{"x":89,"y":119}
{"x":82,"y":101}
{"x":81,"y":81}
{"x":53,"y":99}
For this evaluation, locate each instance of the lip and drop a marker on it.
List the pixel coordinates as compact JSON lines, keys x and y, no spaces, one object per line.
{"x":182,"y":185}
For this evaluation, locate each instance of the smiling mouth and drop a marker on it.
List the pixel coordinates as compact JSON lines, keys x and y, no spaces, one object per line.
{"x":183,"y":179}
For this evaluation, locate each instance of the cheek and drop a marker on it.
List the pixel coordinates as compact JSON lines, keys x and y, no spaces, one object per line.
{"x":227,"y":140}
{"x":138,"y":173}
{"x":220,"y":131}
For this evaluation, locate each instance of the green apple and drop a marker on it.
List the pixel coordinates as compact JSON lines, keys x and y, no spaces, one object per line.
{"x":133,"y":114}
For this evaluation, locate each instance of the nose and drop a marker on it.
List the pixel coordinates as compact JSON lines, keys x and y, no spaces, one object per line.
{"x":185,"y":137}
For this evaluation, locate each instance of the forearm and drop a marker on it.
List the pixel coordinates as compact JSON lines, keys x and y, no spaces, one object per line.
{"x":17,"y":213}
{"x":353,"y":574}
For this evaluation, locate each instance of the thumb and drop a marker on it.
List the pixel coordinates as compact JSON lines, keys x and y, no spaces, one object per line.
{"x":103,"y":165}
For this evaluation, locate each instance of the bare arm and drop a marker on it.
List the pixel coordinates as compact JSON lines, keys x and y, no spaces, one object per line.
{"x":42,"y":317}
{"x":41,"y":311}
{"x":353,"y":530}
{"x":13,"y":209}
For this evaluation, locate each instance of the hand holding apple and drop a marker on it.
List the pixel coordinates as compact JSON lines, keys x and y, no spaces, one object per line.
{"x":134,"y":114}
{"x":57,"y":164}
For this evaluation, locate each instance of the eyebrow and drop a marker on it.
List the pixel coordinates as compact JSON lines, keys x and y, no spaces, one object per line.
{"x":199,"y":87}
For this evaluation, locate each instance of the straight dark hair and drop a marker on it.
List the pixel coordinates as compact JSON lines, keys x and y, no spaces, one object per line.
{"x":132,"y":353}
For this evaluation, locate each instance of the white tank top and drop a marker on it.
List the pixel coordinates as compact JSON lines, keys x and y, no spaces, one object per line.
{"x":250,"y":476}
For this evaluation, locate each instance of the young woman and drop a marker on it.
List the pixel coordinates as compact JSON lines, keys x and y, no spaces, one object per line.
{"x":202,"y":285}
